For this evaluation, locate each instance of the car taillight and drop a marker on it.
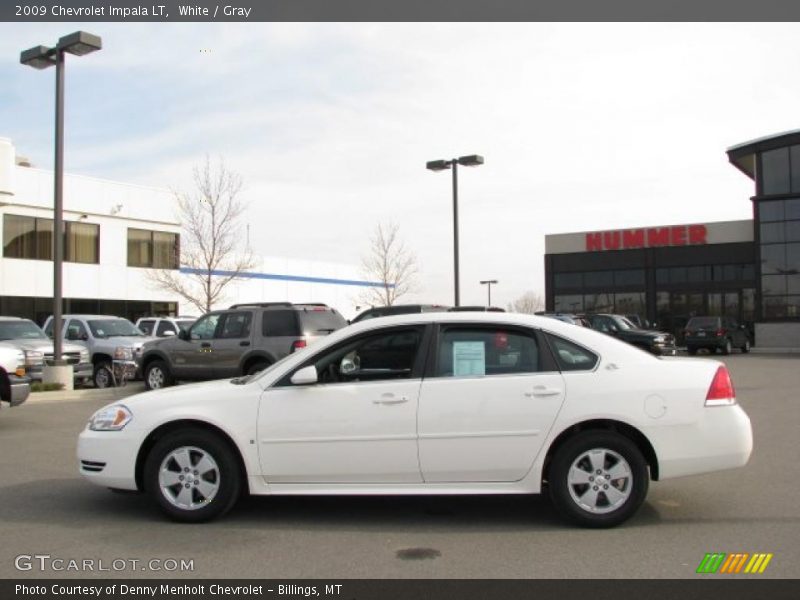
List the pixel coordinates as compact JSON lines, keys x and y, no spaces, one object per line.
{"x":720,"y":332}
{"x":298,"y":344}
{"x":721,"y":392}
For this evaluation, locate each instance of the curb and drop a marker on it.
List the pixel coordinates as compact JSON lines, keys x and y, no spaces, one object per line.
{"x":109,"y":394}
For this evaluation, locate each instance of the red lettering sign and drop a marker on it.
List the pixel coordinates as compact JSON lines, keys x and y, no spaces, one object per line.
{"x":654,"y":237}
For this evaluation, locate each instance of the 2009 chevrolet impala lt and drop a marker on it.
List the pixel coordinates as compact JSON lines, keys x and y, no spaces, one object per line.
{"x":434,"y":403}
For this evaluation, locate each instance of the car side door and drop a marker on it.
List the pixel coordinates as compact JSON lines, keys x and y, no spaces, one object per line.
{"x":489,"y":399}
{"x":191,"y":358}
{"x":357,"y":423}
{"x":231,"y":341}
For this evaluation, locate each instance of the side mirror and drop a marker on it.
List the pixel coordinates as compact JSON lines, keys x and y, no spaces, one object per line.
{"x":305,"y":376}
{"x":168,"y":333}
{"x":183,"y":334}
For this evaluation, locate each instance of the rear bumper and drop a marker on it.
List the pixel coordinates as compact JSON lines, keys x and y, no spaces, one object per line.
{"x":721,"y":439}
{"x":706,"y":342}
{"x":20,"y":389}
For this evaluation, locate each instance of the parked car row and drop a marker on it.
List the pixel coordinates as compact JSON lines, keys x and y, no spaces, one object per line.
{"x":14,"y":383}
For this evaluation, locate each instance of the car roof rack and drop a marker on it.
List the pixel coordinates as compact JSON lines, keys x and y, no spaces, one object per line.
{"x":260,"y":304}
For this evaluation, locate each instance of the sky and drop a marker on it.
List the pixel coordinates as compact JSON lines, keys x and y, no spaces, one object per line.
{"x":582,"y":127}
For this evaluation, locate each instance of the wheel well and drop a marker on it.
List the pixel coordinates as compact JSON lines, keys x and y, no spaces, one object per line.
{"x":101,"y":358}
{"x":168,"y":428}
{"x":152,"y":358}
{"x":5,"y":386}
{"x":633,"y":434}
{"x":258,"y":358}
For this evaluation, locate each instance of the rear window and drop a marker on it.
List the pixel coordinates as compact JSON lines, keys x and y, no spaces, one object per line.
{"x":703,"y":322}
{"x":279,"y":323}
{"x":320,"y":322}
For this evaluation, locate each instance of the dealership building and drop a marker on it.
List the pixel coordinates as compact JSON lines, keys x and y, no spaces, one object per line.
{"x":114,"y":234}
{"x":748,"y":270}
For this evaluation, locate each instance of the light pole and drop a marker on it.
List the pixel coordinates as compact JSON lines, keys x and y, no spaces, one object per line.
{"x":488,"y":283}
{"x":42,"y":57}
{"x":471,"y":160}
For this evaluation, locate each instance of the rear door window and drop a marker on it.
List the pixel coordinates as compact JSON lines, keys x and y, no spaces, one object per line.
{"x":235,"y":325}
{"x":478,"y":351}
{"x":147,"y":326}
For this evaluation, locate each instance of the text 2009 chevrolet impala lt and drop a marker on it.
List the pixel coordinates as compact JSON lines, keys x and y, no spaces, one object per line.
{"x":436,"y":403}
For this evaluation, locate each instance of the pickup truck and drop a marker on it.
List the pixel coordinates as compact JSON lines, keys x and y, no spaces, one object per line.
{"x":655,"y":342}
{"x":111,"y":341}
{"x":14,"y":385}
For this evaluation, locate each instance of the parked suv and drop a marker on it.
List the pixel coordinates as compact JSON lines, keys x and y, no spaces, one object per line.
{"x":715,"y":333}
{"x":108,"y":339}
{"x":14,"y":385}
{"x":242,"y":340}
{"x":38,"y":348}
{"x":655,"y":342}
{"x":164,"y":326}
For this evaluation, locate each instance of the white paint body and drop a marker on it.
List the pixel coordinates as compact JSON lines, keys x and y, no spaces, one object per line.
{"x":476,"y":434}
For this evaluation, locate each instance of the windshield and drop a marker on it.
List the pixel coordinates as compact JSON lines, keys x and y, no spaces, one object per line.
{"x":624,"y":323}
{"x":703,"y":322}
{"x":20,"y":330}
{"x":113,"y":327}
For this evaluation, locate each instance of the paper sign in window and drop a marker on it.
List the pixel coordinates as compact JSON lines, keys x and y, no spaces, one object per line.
{"x":469,"y":358}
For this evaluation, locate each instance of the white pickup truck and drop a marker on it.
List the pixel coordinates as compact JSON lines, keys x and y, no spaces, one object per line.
{"x":14,"y":385}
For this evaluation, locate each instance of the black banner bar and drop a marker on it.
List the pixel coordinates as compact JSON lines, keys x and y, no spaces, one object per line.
{"x":730,"y":588}
{"x":397,"y":10}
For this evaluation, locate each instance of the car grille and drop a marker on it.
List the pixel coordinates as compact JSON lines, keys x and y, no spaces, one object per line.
{"x":92,"y":466}
{"x":71,"y":358}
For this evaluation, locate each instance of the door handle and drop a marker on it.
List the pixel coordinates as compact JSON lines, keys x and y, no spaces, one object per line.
{"x":390,"y":399}
{"x":244,"y":343}
{"x":541,"y":390}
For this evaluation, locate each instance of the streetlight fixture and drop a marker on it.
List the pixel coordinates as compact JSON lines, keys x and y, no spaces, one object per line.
{"x":471,"y":160}
{"x":42,"y":57}
{"x":488,"y":283}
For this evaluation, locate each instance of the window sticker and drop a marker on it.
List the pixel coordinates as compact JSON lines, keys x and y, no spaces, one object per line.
{"x":469,"y":358}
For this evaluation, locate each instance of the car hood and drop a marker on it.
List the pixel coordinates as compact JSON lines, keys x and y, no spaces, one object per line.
{"x":180,"y":393}
{"x":43,"y":345}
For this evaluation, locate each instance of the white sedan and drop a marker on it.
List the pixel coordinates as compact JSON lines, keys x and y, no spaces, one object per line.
{"x":434,"y":403}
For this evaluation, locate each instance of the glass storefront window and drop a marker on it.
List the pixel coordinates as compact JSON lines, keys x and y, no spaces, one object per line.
{"x":601,"y":279}
{"x":748,"y":304}
{"x":627,"y":303}
{"x":568,"y":304}
{"x":629,"y":277}
{"x":775,"y":171}
{"x":773,"y":285}
{"x":773,"y":259}
{"x":568,"y":280}
{"x":771,"y":210}
{"x":772,"y":233}
{"x":792,"y":208}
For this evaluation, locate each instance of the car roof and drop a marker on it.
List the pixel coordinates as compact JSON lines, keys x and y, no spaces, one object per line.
{"x":13,"y":319}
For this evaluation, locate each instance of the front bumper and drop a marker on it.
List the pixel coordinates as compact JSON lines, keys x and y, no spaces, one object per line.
{"x":664,"y":350}
{"x":108,"y":458}
{"x":20,"y":388}
{"x":81,"y":371}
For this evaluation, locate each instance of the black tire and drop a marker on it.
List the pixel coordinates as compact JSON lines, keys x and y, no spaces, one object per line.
{"x":255,"y":367}
{"x":103,"y":376}
{"x":746,"y":347}
{"x":228,"y":478}
{"x":727,"y":348}
{"x":157,"y":371}
{"x":576,"y":451}
{"x":692,"y":351}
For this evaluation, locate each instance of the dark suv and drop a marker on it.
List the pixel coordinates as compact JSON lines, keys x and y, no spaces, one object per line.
{"x":655,"y":342}
{"x":715,"y":333}
{"x":397,"y":309}
{"x":242,"y":340}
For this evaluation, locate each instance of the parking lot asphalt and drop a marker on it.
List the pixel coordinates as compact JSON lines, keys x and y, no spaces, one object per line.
{"x":46,"y":508}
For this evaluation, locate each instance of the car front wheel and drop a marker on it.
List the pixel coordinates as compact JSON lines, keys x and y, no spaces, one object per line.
{"x":192,"y":475}
{"x":157,"y":375}
{"x":598,"y":479}
{"x":103,"y":377}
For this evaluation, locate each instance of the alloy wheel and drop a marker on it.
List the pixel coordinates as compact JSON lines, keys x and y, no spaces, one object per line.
{"x":189,"y":478}
{"x":600,"y":481}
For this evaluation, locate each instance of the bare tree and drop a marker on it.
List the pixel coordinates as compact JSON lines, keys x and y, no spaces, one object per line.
{"x":210,"y":254}
{"x":528,"y":303}
{"x":389,"y":263}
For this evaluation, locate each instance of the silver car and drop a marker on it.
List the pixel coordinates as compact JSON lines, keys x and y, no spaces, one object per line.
{"x":38,"y":348}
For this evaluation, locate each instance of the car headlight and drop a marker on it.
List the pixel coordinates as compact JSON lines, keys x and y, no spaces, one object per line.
{"x":110,"y":418}
{"x":33,"y":357}
{"x":123,"y":353}
{"x":660,"y":339}
{"x":84,"y":355}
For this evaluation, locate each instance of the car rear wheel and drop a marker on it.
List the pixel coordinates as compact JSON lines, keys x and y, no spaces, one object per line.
{"x":598,"y":479}
{"x":157,"y":375}
{"x":192,"y":475}
{"x":746,"y":347}
{"x":103,"y":376}
{"x":727,"y":348}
